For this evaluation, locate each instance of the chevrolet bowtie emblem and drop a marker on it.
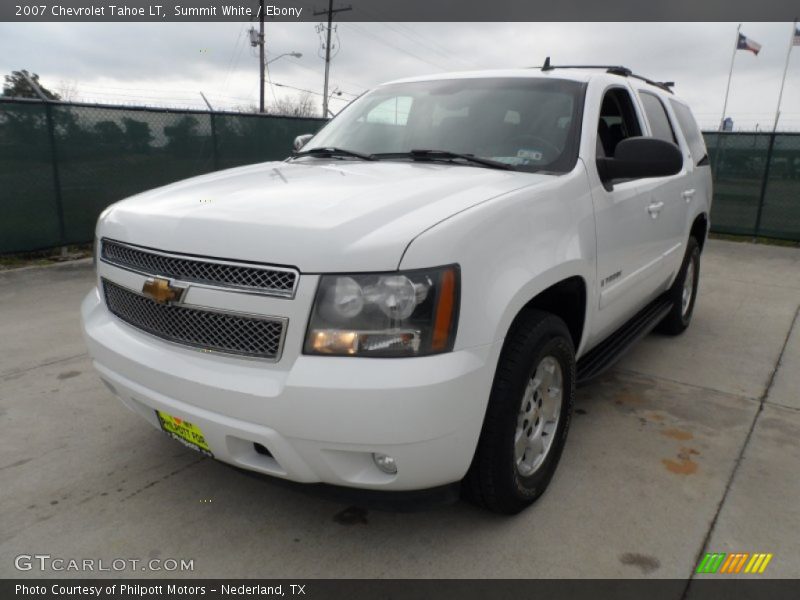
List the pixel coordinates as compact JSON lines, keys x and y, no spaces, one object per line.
{"x":160,"y":291}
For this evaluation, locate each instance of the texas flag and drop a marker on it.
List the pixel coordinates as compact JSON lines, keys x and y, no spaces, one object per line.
{"x":745,"y":43}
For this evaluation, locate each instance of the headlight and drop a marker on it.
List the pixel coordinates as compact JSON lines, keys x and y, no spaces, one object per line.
{"x":404,"y":313}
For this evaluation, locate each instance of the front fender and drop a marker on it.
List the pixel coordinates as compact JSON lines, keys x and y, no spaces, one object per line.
{"x":510,"y":249}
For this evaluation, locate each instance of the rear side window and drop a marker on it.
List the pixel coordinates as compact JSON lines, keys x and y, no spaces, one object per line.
{"x":657,"y":116}
{"x":691,"y":132}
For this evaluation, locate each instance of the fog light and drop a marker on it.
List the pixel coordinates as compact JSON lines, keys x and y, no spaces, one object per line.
{"x":385,"y":463}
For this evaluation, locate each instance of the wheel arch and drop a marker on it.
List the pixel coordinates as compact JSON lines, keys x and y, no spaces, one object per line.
{"x":566,"y":299}
{"x":699,"y":229}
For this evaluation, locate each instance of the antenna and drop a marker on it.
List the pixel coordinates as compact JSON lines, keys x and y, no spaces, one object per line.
{"x":546,"y":66}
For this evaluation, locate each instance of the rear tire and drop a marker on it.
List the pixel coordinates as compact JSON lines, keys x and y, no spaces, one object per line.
{"x":683,"y":292}
{"x":527,"y":418}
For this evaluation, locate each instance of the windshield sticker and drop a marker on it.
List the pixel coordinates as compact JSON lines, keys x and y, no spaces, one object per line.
{"x":530,"y":155}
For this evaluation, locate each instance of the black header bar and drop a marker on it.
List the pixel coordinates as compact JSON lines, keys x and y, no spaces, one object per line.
{"x":705,"y":588}
{"x":397,"y":10}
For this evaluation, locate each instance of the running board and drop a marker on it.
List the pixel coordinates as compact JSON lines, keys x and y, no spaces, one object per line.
{"x":609,"y":351}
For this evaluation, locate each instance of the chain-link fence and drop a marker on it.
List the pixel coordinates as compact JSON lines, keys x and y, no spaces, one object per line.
{"x":61,"y":164}
{"x":756,"y":183}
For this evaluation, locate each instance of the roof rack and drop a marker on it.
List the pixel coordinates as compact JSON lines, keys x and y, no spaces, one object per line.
{"x":614,"y":70}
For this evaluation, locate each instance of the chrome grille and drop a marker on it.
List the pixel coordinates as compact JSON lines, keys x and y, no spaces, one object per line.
{"x":272,"y":281}
{"x":260,"y":337}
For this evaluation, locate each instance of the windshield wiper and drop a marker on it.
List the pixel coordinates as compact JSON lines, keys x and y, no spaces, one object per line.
{"x":448,"y":156}
{"x":331,"y":151}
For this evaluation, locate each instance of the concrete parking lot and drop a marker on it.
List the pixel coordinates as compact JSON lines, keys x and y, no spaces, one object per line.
{"x":690,"y":445}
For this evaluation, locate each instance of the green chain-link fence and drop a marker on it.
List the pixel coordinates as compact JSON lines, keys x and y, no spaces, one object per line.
{"x":61,"y":164}
{"x":756,"y":183}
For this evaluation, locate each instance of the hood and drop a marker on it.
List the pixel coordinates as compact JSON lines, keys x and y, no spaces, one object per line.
{"x":315,"y":215}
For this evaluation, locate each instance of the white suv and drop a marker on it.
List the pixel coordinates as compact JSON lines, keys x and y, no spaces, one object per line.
{"x":409,"y":301}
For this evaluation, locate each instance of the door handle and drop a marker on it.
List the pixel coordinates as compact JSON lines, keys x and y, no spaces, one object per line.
{"x":688,"y":195}
{"x":654,"y":208}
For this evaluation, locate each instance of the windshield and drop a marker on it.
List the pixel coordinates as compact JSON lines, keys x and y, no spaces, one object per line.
{"x":530,"y":124}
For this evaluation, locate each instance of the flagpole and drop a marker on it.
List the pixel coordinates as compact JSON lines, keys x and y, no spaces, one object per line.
{"x":783,"y":81}
{"x":730,"y":73}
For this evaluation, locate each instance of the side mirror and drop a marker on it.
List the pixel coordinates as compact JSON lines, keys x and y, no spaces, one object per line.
{"x":301,"y":141}
{"x":638,"y":157}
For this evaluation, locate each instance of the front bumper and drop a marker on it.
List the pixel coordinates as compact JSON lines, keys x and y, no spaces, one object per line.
{"x":320,"y":418}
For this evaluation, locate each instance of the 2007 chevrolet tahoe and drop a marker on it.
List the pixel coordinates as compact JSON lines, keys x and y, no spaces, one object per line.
{"x":411,"y":298}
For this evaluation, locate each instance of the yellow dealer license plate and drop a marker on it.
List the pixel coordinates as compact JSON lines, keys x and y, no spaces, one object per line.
{"x":187,"y":433}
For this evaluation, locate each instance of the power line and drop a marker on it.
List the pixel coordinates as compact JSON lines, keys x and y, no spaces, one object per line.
{"x":456,"y":56}
{"x":234,"y":57}
{"x":349,"y":83}
{"x":149,"y":96}
{"x":394,"y":47}
{"x":299,"y":89}
{"x":420,"y":40}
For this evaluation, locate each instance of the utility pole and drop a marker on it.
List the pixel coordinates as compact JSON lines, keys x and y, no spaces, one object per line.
{"x":261,"y":61}
{"x":330,"y":12}
{"x":257,"y":39}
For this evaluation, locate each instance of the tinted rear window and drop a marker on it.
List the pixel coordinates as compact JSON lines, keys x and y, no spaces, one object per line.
{"x":657,"y":116}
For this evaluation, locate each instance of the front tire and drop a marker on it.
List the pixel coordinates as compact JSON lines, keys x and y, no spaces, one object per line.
{"x":683,"y":292}
{"x":527,"y":418}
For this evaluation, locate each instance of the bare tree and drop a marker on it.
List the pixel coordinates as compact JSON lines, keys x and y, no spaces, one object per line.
{"x":299,"y":105}
{"x":68,"y":90}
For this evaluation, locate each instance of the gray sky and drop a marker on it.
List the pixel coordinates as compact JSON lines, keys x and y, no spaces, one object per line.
{"x":168,"y":64}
